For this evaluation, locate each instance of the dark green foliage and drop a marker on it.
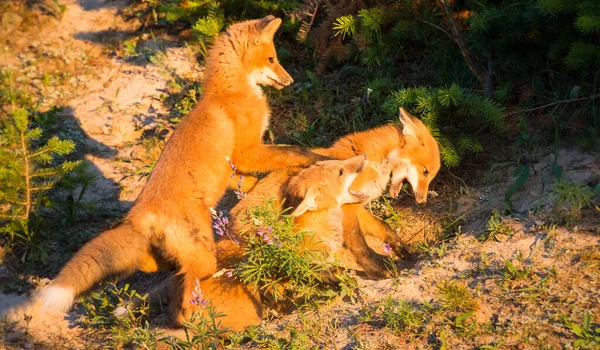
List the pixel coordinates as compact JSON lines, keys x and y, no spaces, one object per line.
{"x":453,"y":115}
{"x":584,"y":50}
{"x":520,"y":54}
{"x":568,"y":199}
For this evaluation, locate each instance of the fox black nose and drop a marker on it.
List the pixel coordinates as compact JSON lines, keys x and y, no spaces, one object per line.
{"x":287,"y":80}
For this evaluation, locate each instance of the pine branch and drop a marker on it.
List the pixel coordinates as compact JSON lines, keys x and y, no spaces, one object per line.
{"x":437,"y":27}
{"x":14,"y":202}
{"x":305,"y":27}
{"x":42,"y":188}
{"x":26,"y":173}
{"x":38,"y":153}
{"x":4,"y":216}
{"x":42,"y":174}
{"x":552,"y":104}
{"x":458,"y":39}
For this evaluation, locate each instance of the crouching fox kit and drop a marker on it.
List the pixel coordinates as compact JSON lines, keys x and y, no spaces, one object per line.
{"x":323,"y":189}
{"x":396,"y":153}
{"x":170,"y":219}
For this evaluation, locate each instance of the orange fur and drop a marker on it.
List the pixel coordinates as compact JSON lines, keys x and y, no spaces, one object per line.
{"x":323,"y":185}
{"x":240,"y":304}
{"x":398,"y":152}
{"x":170,"y":220}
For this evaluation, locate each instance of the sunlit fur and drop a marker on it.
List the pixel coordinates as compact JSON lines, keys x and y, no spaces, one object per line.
{"x":170,"y":222}
{"x":395,"y":151}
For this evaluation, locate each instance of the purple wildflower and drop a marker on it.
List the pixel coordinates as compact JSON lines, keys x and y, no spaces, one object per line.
{"x":229,"y":274}
{"x":197,"y":296}
{"x":267,"y":239}
{"x":238,"y":193}
{"x":387,"y":249}
{"x":220,"y":224}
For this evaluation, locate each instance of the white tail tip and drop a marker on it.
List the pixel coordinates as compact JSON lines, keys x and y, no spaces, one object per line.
{"x":57,"y":298}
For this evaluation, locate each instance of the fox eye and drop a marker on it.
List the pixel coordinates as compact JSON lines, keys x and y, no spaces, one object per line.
{"x":271,"y":59}
{"x":425,"y":171}
{"x":341,"y":172}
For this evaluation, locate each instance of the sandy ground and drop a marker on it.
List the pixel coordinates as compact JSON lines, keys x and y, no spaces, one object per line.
{"x":109,"y":102}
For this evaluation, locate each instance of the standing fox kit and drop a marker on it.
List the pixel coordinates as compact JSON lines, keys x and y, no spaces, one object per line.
{"x":171,"y":217}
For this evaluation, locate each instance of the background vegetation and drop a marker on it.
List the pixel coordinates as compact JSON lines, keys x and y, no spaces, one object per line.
{"x":493,"y":80}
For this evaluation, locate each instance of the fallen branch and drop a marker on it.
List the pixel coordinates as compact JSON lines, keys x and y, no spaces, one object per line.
{"x":552,"y":104}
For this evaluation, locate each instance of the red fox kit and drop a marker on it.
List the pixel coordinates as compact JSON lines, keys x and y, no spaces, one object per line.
{"x":171,"y":218}
{"x":396,"y":153}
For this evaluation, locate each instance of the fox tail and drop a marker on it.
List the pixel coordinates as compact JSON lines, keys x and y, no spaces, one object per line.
{"x":116,"y":251}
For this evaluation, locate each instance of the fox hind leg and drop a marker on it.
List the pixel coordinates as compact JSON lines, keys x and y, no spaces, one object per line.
{"x":191,"y":246}
{"x":354,"y":240}
{"x":373,"y":226}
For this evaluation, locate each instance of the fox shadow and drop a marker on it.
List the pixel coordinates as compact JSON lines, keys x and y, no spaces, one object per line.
{"x":85,"y":201}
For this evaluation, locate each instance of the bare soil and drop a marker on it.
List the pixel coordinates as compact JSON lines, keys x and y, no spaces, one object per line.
{"x":108,"y":101}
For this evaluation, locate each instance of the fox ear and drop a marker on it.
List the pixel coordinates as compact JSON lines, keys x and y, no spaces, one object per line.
{"x":267,"y":27}
{"x":308,"y":203}
{"x":408,"y":125}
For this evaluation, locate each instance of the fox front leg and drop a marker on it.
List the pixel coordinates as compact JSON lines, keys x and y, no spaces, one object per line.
{"x":373,"y":226}
{"x":265,"y":158}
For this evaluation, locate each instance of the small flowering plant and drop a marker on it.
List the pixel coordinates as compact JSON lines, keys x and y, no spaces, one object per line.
{"x":197,"y":296}
{"x":240,"y":180}
{"x":387,"y":249}
{"x":221,"y":225}
{"x":276,"y":260}
{"x":389,"y":262}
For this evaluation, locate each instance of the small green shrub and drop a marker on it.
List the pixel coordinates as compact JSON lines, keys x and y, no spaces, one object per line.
{"x":276,"y":259}
{"x":456,"y":297}
{"x":201,"y":332}
{"x":494,"y":228}
{"x":568,"y":199}
{"x":124,"y":312}
{"x":587,"y":335}
{"x":28,"y":170}
{"x":399,"y":315}
{"x":514,"y":272}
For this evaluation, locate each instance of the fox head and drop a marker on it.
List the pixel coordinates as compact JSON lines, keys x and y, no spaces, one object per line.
{"x":258,"y":54}
{"x":327,"y":184}
{"x":419,"y":161}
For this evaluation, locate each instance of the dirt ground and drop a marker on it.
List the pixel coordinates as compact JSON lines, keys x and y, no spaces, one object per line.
{"x":108,"y":102}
